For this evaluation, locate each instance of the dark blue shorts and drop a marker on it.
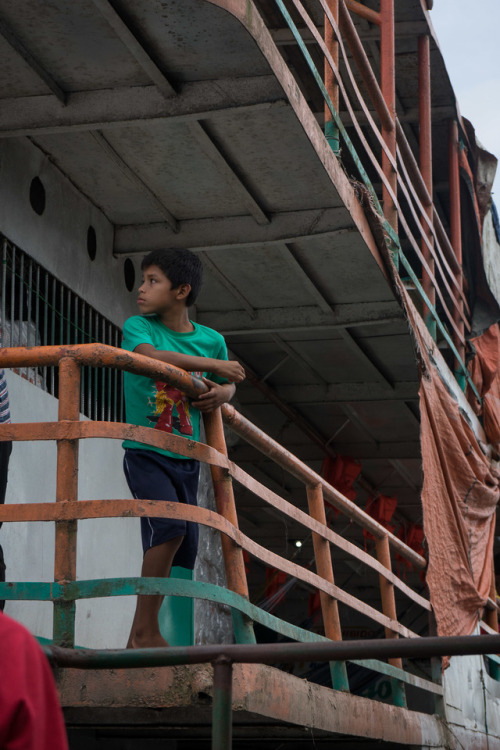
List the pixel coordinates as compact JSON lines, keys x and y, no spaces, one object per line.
{"x":153,"y":476}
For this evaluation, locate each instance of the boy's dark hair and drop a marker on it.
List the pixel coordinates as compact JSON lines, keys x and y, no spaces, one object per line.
{"x":180,"y":266}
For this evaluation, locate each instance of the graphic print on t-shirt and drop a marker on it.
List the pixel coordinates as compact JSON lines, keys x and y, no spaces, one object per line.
{"x":171,"y":409}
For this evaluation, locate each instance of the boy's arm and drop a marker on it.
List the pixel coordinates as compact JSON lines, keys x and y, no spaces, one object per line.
{"x":217,"y":395}
{"x":224,"y":368}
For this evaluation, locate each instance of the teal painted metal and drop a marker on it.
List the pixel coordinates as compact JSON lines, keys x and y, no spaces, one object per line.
{"x":398,"y":693}
{"x":332,"y":136}
{"x":176,"y":615}
{"x":242,"y":627}
{"x":338,"y":673}
{"x":64,"y":624}
{"x":326,"y":96}
{"x":91,"y":589}
{"x":394,"y":248}
{"x":494,"y":665}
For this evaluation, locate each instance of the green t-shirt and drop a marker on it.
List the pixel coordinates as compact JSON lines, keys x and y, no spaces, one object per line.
{"x":156,"y":404}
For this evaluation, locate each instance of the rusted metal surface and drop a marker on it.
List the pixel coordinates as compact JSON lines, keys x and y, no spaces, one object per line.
{"x":388,"y":86}
{"x":66,"y":491}
{"x":288,"y":461}
{"x":425,"y":144}
{"x":113,"y":431}
{"x":224,"y":500}
{"x":387,"y":591}
{"x":270,"y":653}
{"x":455,"y":221}
{"x":331,"y":130}
{"x":363,"y":11}
{"x":358,"y":52}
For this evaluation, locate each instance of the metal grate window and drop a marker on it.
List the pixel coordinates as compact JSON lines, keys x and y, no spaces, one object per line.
{"x":38,"y":310}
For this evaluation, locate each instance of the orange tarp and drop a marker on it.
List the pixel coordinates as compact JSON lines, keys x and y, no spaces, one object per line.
{"x":485,"y":372}
{"x":459,"y":497}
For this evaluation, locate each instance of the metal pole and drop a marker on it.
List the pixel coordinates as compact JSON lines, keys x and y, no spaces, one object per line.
{"x":270,"y":653}
{"x":222,"y":725}
{"x":456,"y":239}
{"x":331,"y":130}
{"x":425,"y":143}
{"x":324,"y":568}
{"x":388,"y":86}
{"x":66,"y":490}
{"x":224,"y":500}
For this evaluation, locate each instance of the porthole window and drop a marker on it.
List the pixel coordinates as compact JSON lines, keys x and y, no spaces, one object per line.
{"x":37,"y":196}
{"x":91,"y":242}
{"x":129,"y":274}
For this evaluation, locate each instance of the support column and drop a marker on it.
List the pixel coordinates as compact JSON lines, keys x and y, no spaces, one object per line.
{"x":388,"y":86}
{"x":224,"y":500}
{"x":456,"y":241}
{"x":425,"y":143}
{"x":66,"y":490}
{"x":331,"y":129}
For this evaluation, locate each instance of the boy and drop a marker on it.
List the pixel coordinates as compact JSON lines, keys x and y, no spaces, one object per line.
{"x":171,"y":282}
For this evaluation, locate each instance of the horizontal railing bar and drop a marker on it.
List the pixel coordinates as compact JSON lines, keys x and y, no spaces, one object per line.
{"x":102,"y":355}
{"x":399,"y":674}
{"x":331,"y":536}
{"x":424,"y":261}
{"x":270,"y":653}
{"x":256,"y":437}
{"x":65,"y":430}
{"x":363,"y":11}
{"x":83,"y":509}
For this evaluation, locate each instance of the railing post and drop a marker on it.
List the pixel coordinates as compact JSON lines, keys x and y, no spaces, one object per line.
{"x":66,"y":490}
{"x":388,"y":86}
{"x":222,"y":729}
{"x":224,"y":501}
{"x":389,"y":610}
{"x":331,"y":129}
{"x":425,"y":144}
{"x":456,"y":240}
{"x":324,"y":568}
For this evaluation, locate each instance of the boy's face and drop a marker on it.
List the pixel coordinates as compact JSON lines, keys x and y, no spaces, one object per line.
{"x":156,"y":294}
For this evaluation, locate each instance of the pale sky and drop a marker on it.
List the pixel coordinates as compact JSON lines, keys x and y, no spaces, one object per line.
{"x":468,"y":32}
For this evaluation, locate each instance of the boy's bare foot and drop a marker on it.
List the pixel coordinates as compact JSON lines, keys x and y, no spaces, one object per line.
{"x":147,"y":641}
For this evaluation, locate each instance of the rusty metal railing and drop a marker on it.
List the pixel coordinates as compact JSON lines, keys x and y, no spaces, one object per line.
{"x":223,"y":657}
{"x":405,"y":202}
{"x":67,"y":509}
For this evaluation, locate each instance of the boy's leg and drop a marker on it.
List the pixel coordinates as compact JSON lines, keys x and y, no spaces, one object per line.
{"x":157,"y":563}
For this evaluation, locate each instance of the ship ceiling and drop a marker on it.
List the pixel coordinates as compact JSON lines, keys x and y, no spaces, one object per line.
{"x":170,"y":118}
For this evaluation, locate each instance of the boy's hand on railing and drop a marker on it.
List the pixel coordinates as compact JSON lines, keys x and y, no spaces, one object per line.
{"x":229,"y":369}
{"x":216,"y":396}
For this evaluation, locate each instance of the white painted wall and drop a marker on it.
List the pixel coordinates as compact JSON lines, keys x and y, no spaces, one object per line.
{"x":107,"y":548}
{"x":58,"y":238}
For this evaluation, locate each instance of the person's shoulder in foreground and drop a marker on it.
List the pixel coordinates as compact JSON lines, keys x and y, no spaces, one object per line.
{"x":30,"y":713}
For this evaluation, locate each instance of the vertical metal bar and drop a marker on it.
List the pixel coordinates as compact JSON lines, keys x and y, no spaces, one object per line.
{"x":389,"y":610}
{"x":109,"y":375}
{"x":331,"y":129}
{"x":13,"y":340}
{"x":224,"y":501}
{"x":45,"y":340}
{"x":29,"y":305}
{"x":388,"y":86}
{"x":324,"y":568}
{"x":425,"y":147}
{"x":456,"y":240}
{"x":95,"y":337}
{"x":222,"y":729}
{"x":37,"y":306}
{"x":102,"y":374}
{"x":4,"y":290}
{"x":66,"y":490}
{"x":20,"y":311}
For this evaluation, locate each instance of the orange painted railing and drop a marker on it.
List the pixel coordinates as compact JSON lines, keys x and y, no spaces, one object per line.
{"x":68,"y":430}
{"x":406,"y":185}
